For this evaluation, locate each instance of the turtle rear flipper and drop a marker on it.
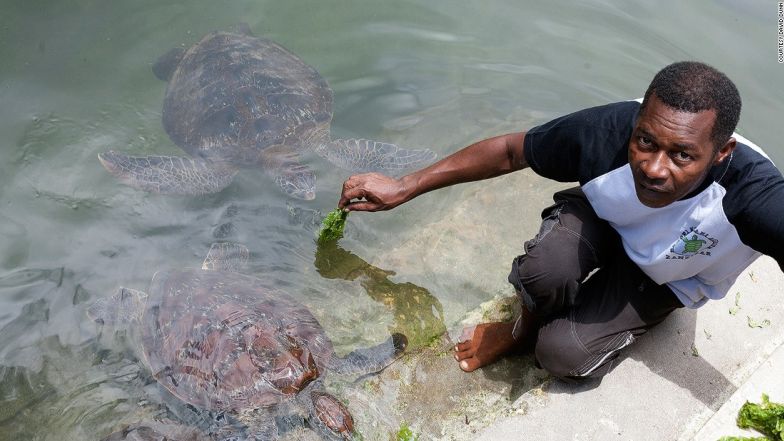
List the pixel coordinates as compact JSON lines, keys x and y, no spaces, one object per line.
{"x":372,"y":359}
{"x":364,"y":155}
{"x":327,"y":416}
{"x":168,"y":174}
{"x":125,"y":306}
{"x":226,"y":256}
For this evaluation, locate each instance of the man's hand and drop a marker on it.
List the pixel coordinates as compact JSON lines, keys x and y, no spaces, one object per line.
{"x":372,"y":192}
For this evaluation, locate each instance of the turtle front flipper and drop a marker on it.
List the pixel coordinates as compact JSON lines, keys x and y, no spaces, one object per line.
{"x":156,"y":430}
{"x":282,"y":164}
{"x":168,"y":174}
{"x":125,"y":306}
{"x":364,"y":155}
{"x":260,"y":425}
{"x":370,"y":360}
{"x":327,"y":416}
{"x":226,"y":256}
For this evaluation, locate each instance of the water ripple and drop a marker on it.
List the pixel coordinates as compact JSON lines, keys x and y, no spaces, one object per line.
{"x":420,"y":33}
{"x":527,"y":69}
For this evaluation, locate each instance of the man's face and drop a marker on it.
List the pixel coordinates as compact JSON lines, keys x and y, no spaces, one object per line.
{"x":670,"y":152}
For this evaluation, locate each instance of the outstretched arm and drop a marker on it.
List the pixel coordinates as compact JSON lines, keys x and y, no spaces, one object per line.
{"x":485,"y":159}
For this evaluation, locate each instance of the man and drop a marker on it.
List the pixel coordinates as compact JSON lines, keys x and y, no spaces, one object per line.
{"x":670,"y":210}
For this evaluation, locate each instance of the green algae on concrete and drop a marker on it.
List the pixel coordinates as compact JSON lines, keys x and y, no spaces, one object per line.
{"x":416,"y":313}
{"x":757,"y":324}
{"x":501,"y":308}
{"x":734,"y":309}
{"x":766,"y":418}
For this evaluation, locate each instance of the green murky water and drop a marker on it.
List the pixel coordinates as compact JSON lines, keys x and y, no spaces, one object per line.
{"x":75,"y":80}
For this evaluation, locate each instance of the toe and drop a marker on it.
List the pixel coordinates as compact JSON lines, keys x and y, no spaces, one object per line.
{"x":463,"y":355}
{"x":463,"y":346}
{"x":470,"y":364}
{"x":464,"y":352}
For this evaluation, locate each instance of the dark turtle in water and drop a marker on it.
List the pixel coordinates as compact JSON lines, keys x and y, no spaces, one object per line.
{"x":235,"y":100}
{"x":229,"y":344}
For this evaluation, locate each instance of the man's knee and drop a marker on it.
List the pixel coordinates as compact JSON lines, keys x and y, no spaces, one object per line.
{"x":542,"y":274}
{"x":544,"y":286}
{"x":557,"y":351}
{"x":561,"y":352}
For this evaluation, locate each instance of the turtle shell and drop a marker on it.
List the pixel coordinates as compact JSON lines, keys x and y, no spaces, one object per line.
{"x":224,"y":341}
{"x":233,"y":95}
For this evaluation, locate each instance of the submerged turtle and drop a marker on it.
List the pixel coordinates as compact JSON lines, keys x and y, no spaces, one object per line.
{"x":227,"y":343}
{"x":236,"y":100}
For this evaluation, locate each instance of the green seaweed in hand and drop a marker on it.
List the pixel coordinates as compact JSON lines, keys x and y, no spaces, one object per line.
{"x":333,"y":225}
{"x":766,"y":418}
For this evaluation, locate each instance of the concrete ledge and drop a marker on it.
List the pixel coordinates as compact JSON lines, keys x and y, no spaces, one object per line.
{"x":684,"y":380}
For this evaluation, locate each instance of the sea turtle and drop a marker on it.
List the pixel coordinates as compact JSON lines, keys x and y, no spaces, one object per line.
{"x":235,"y":100}
{"x":230,"y":344}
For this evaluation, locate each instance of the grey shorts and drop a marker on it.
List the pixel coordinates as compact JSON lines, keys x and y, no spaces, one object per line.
{"x":590,"y":298}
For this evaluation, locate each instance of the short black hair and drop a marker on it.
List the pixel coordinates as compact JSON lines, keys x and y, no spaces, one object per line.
{"x":691,"y":86}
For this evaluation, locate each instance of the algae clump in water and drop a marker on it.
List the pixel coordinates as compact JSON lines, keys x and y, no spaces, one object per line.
{"x":332,"y":226}
{"x":766,"y":418}
{"x":406,"y":434}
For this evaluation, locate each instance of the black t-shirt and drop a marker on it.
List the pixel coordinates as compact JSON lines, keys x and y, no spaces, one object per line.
{"x":697,"y":245}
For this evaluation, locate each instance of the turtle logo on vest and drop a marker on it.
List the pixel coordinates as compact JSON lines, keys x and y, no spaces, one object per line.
{"x":692,"y":242}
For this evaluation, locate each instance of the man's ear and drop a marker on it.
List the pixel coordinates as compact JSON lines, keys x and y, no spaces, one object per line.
{"x":725,"y":151}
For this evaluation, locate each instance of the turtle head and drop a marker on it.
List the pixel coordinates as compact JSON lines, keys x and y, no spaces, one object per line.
{"x":241,"y":28}
{"x":399,"y":343}
{"x":298,"y":182}
{"x":164,"y":67}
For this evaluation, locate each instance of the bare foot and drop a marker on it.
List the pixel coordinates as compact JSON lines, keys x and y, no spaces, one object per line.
{"x":484,"y":344}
